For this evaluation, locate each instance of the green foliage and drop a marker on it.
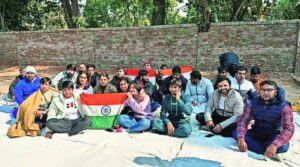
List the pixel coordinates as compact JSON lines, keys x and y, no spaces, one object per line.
{"x":286,"y":10}
{"x":24,"y":15}
{"x":117,"y":13}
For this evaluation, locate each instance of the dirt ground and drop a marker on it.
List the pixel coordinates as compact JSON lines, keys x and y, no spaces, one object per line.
{"x":7,"y":74}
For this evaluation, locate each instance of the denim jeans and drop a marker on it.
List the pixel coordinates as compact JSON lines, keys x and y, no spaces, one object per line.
{"x":134,"y":124}
{"x":260,"y":146}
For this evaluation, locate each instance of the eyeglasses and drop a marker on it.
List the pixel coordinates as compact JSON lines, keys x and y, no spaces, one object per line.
{"x":267,"y":90}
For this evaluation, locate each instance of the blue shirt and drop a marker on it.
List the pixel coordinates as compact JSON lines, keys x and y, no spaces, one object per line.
{"x":25,"y":88}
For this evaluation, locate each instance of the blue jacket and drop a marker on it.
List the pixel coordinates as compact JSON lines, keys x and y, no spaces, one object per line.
{"x":267,"y":117}
{"x":25,"y":88}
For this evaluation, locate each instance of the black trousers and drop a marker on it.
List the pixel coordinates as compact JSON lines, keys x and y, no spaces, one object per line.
{"x":216,"y":118}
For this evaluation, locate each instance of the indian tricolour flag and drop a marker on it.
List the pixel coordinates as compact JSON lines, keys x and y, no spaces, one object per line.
{"x":103,"y":109}
{"x":185,"y":71}
{"x":133,"y":72}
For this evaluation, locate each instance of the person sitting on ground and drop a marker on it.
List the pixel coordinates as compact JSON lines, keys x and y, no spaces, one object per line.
{"x":69,"y":74}
{"x":117,"y":78}
{"x":124,"y":85}
{"x":147,"y":65}
{"x":48,"y":93}
{"x":65,"y":113}
{"x":255,"y":77}
{"x":11,"y":90}
{"x":141,"y":108}
{"x":175,"y":112}
{"x":243,"y":86}
{"x":164,"y":87}
{"x":273,"y":127}
{"x":93,"y":75}
{"x":158,"y":74}
{"x":222,"y":110}
{"x":232,"y":70}
{"x":83,"y":84}
{"x":32,"y":113}
{"x":221,"y":72}
{"x":28,"y":85}
{"x":200,"y":90}
{"x":104,"y":86}
{"x":82,"y":68}
{"x":144,"y":82}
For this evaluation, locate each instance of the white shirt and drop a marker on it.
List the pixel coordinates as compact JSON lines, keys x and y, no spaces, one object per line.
{"x":71,"y":109}
{"x":242,"y":88}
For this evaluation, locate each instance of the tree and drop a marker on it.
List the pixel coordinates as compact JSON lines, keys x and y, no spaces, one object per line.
{"x":159,"y":12}
{"x":71,"y":11}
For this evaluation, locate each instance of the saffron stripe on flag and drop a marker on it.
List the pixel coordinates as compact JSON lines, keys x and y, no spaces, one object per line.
{"x":185,"y":71}
{"x":132,"y":73}
{"x":103,"y":99}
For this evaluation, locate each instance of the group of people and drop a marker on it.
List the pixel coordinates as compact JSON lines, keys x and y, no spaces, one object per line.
{"x":254,"y":112}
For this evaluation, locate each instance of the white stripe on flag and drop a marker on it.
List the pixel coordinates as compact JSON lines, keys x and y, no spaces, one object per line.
{"x":99,"y":110}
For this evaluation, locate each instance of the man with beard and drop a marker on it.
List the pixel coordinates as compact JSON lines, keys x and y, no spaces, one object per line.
{"x":223,"y":109}
{"x":200,"y":90}
{"x":94,"y":76}
{"x":117,"y":78}
{"x":255,"y":77}
{"x":28,"y":85}
{"x":164,"y":87}
{"x":273,"y":127}
{"x":69,"y":74}
{"x":82,"y":67}
{"x":144,"y":82}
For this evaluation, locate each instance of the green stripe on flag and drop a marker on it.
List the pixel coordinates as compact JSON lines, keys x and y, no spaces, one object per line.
{"x":103,"y":122}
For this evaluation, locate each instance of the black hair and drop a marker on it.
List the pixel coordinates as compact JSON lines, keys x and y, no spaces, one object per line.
{"x":232,"y":69}
{"x":221,"y":69}
{"x":71,"y":67}
{"x":44,"y":80}
{"x":196,"y":74}
{"x":78,"y":78}
{"x":104,"y":75}
{"x":255,"y":71}
{"x":176,"y":82}
{"x":163,"y":66}
{"x":241,"y":68}
{"x":120,"y":68}
{"x":143,"y":72}
{"x":269,"y":82}
{"x":221,"y":79}
{"x":91,"y":65}
{"x":176,"y":69}
{"x":67,"y":84}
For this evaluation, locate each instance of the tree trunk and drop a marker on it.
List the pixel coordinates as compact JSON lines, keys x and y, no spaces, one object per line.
{"x":2,"y":14}
{"x":239,"y":9}
{"x":206,"y":15}
{"x":71,"y":10}
{"x":159,"y":13}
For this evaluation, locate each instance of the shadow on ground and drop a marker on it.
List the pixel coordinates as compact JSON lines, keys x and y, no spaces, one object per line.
{"x":179,"y":161}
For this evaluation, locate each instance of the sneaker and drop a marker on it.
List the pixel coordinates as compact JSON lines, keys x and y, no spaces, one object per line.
{"x":60,"y":136}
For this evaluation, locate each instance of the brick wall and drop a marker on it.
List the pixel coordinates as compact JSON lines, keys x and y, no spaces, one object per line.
{"x":274,"y":46}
